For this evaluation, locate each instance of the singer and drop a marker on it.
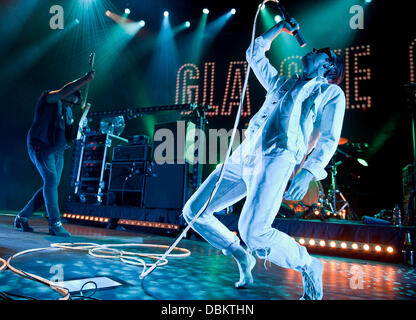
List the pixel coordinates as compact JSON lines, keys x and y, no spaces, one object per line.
{"x":48,"y":137}
{"x":300,"y":119}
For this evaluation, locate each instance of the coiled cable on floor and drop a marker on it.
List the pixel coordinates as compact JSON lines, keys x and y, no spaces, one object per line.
{"x":221,"y":175}
{"x":103,"y":251}
{"x":3,"y":264}
{"x":62,"y":291}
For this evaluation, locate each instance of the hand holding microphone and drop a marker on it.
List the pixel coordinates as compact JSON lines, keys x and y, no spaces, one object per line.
{"x":290,"y":25}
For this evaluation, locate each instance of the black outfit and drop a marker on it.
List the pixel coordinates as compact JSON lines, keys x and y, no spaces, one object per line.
{"x":48,"y":137}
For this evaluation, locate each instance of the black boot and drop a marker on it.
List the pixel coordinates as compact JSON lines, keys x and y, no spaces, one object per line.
{"x":22,"y":224}
{"x":56,"y":229}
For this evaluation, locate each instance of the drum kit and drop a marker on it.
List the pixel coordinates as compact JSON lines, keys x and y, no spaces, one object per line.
{"x":318,"y":205}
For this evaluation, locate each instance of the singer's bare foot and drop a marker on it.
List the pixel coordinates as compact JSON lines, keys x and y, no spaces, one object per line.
{"x":245,"y":263}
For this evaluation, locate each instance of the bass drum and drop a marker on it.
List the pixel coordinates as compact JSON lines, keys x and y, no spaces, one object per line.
{"x":315,"y":191}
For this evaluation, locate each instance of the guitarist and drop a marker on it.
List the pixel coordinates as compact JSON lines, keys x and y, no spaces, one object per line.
{"x":48,"y":137}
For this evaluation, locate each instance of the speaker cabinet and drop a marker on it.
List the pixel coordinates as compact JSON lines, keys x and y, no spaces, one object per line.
{"x":168,"y":188}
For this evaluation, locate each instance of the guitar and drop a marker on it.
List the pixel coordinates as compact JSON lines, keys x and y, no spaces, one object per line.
{"x":85,"y":106}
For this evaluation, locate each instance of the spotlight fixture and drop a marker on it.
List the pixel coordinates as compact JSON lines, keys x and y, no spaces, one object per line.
{"x":127,"y":11}
{"x":362,"y":162}
{"x":205,"y":11}
{"x":366,"y":247}
{"x":302,"y":241}
{"x":311,"y":242}
{"x":166,"y":13}
{"x":354,"y":246}
{"x":322,"y":243}
{"x":187,"y":24}
{"x":333,"y":244}
{"x":76,"y":21}
{"x":378,"y":248}
{"x":142,"y":23}
{"x":233,"y":11}
{"x":389,"y":249}
{"x":343,"y":245}
{"x":277,"y":18}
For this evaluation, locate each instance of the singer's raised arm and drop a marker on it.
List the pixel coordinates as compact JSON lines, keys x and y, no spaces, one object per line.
{"x":264,"y":71}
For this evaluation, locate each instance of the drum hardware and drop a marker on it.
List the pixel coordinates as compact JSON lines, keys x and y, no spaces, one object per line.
{"x":332,"y":202}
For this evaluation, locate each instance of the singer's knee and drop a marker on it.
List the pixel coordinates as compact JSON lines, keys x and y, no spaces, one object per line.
{"x":187,"y":212}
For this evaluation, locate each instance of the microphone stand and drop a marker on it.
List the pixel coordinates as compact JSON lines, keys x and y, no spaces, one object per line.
{"x":334,"y":191}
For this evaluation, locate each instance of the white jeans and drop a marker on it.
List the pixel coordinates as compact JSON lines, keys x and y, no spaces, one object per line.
{"x":263,"y":181}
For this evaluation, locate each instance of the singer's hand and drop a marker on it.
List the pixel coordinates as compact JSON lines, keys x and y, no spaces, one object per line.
{"x":299,"y":186}
{"x":290,"y":26}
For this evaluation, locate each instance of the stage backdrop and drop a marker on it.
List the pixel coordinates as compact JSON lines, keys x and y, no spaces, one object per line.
{"x":166,"y":61}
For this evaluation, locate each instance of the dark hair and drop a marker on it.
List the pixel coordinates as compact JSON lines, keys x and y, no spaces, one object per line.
{"x":336,"y":74}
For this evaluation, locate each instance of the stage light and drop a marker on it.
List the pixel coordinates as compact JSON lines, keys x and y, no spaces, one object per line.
{"x":277,"y":18}
{"x":316,"y":212}
{"x":354,"y":246}
{"x":233,"y":11}
{"x":127,"y":11}
{"x":302,"y":241}
{"x":389,"y":249}
{"x":343,"y":245}
{"x":368,"y":1}
{"x":362,"y":162}
{"x":322,"y":243}
{"x":366,"y":247}
{"x":378,"y":248}
{"x":312,"y":242}
{"x":333,"y":244}
{"x":187,"y":24}
{"x":142,"y":23}
{"x":205,"y":11}
{"x":166,"y":13}
{"x":76,"y":21}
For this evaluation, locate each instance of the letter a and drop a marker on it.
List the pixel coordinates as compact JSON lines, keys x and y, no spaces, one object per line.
{"x":357,"y":20}
{"x":57,"y":20}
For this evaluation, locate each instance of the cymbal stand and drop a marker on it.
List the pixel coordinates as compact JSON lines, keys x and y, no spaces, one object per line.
{"x":334,"y":191}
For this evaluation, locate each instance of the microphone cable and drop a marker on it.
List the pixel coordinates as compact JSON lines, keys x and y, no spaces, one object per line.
{"x":221,"y":175}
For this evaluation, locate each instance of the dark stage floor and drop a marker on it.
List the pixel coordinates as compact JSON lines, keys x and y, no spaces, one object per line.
{"x":205,"y":275}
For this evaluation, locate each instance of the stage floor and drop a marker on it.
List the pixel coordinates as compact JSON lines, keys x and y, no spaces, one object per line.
{"x":205,"y":275}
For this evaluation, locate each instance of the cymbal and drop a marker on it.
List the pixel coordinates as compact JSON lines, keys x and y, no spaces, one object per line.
{"x":342,"y":141}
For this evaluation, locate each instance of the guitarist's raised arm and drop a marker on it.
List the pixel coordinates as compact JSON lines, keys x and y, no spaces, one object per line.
{"x":70,"y":88}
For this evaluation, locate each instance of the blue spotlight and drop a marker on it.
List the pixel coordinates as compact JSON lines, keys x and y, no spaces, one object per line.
{"x":76,"y":21}
{"x":233,"y":11}
{"x":127,"y":11}
{"x":368,"y":1}
{"x":166,"y":13}
{"x":277,"y":18}
{"x":187,"y":24}
{"x":205,"y":11}
{"x":142,"y":23}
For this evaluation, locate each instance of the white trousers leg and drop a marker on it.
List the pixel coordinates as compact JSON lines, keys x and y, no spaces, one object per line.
{"x":231,"y":190}
{"x":263,"y":180}
{"x":265,"y":189}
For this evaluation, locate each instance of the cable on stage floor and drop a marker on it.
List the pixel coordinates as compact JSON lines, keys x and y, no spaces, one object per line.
{"x":103,"y":251}
{"x":3,"y":264}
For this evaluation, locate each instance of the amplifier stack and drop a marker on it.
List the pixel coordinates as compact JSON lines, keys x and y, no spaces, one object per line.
{"x":131,"y":164}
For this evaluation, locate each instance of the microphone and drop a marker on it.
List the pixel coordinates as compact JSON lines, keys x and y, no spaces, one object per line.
{"x":285,"y":15}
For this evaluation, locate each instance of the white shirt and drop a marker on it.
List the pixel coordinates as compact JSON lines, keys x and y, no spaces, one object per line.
{"x":297,"y":115}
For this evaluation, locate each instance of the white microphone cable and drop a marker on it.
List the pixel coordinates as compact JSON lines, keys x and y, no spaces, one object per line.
{"x":237,"y":121}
